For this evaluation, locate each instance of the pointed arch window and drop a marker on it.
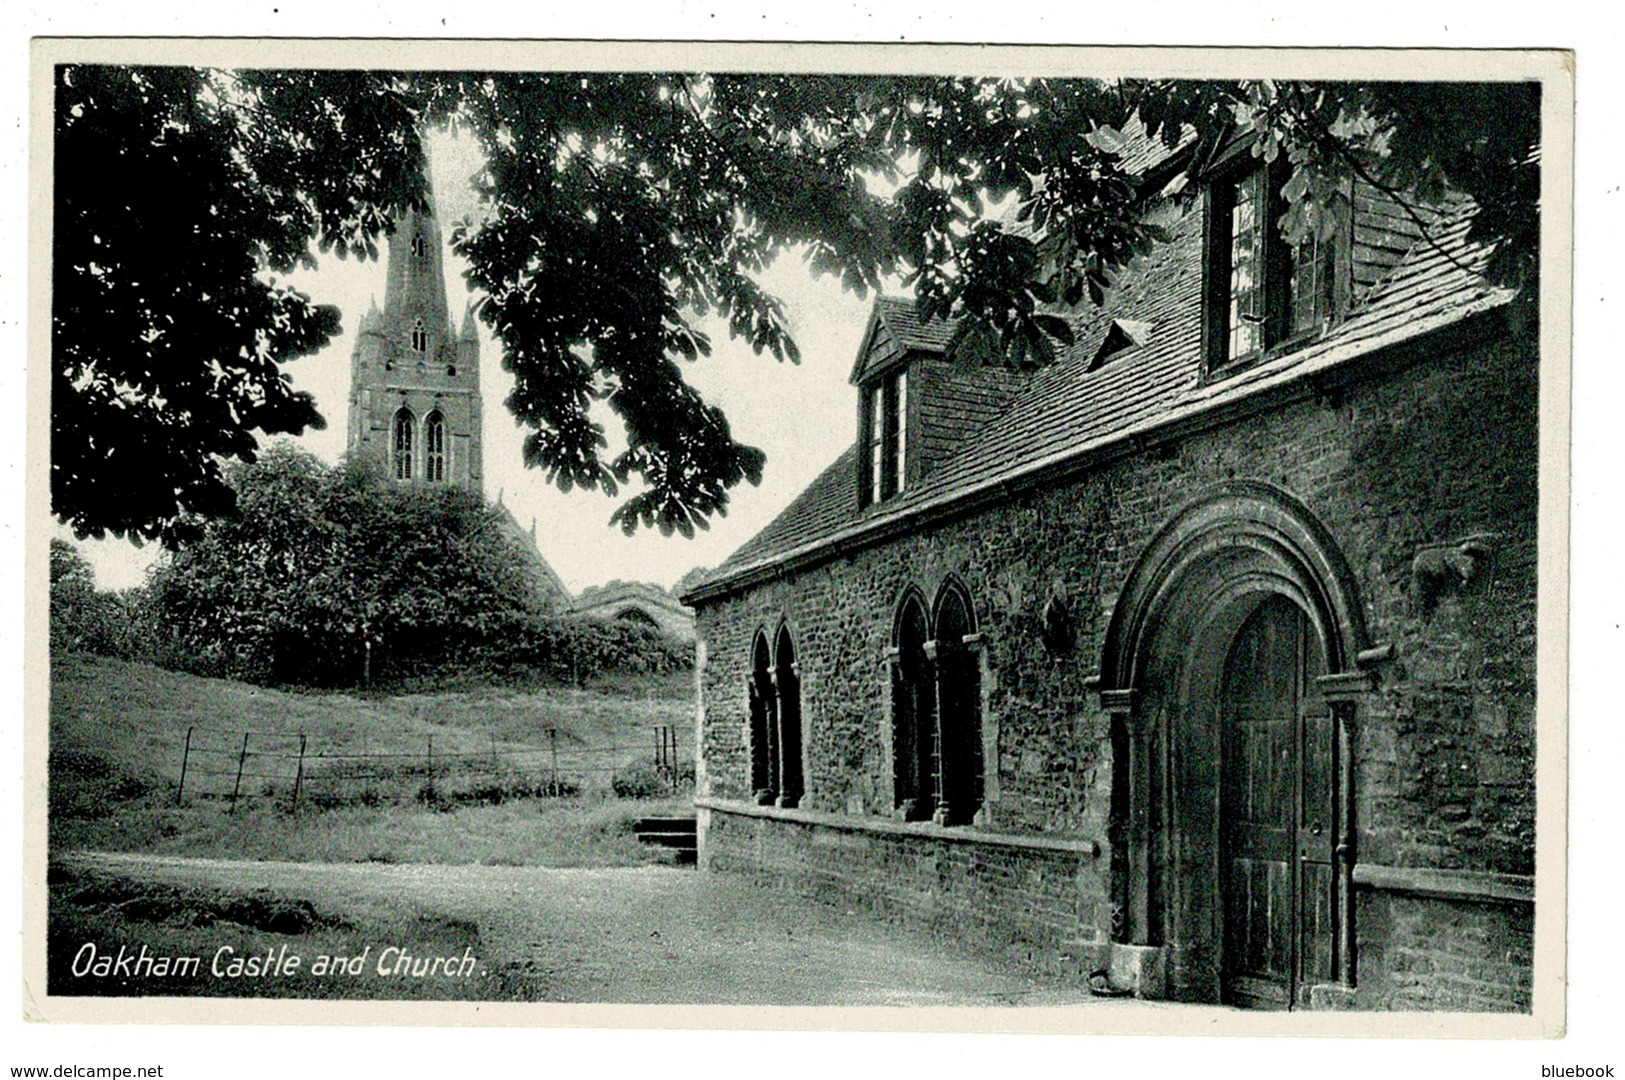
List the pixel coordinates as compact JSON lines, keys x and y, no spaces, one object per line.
{"x":401,"y":445}
{"x":434,"y":447}
{"x":420,"y":337}
{"x":955,"y":653}
{"x":787,"y":680}
{"x":914,"y":712}
{"x":764,"y":752}
{"x":420,"y":247}
{"x":938,"y":765}
{"x":774,"y":691}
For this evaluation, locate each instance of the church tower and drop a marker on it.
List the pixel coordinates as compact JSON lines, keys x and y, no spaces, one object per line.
{"x":414,"y":386}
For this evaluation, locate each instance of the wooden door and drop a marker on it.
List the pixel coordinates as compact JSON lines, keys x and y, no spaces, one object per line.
{"x":1275,"y":826}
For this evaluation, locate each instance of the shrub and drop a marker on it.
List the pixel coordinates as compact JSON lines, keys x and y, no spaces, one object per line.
{"x":640,"y":782}
{"x":578,"y":650}
{"x":87,"y":619}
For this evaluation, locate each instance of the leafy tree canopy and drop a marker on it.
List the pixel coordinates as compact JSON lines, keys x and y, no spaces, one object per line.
{"x":70,"y":570}
{"x":318,"y":561}
{"x":620,"y":209}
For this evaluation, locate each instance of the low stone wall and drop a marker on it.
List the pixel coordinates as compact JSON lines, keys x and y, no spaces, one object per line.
{"x":1423,"y":949}
{"x":1029,"y":896}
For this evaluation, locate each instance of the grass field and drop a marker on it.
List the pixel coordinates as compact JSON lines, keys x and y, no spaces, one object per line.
{"x":118,"y":731}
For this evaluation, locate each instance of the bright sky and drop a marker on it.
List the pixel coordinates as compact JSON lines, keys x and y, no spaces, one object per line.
{"x":802,"y":416}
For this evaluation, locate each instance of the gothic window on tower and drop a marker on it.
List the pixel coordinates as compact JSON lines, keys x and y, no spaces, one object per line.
{"x":420,"y":337}
{"x":434,"y":447}
{"x":402,"y":447}
{"x":420,"y":249}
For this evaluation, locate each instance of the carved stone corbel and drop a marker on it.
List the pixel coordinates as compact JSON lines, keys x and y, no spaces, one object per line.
{"x":1441,"y":570}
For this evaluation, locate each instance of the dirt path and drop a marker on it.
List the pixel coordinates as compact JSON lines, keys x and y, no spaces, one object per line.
{"x":657,"y":935}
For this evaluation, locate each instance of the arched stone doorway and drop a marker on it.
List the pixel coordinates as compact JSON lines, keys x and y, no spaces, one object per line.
{"x":1229,"y":673}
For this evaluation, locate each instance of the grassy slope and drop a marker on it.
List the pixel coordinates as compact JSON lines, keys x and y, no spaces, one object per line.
{"x":139,"y":714}
{"x":117,"y":730}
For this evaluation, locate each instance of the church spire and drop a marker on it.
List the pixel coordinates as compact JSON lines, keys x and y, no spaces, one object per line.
{"x":415,"y":288}
{"x":373,"y":320}
{"x":414,"y":385}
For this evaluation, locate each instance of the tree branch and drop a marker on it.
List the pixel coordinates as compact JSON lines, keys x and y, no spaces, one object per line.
{"x":1327,"y":139}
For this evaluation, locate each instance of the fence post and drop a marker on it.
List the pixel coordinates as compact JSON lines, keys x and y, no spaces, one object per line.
{"x":431,"y":759}
{"x":660,"y":752}
{"x":553,"y":745}
{"x":242,"y":756}
{"x":299,"y":773}
{"x":671,"y":758}
{"x":186,"y":755}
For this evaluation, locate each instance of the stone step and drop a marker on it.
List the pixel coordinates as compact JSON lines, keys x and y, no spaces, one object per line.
{"x":670,"y":839}
{"x":666,"y":824}
{"x":1114,"y":970}
{"x":679,"y":835}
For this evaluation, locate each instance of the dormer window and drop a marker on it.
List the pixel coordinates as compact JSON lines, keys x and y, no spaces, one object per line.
{"x":420,"y":337}
{"x":885,"y":437}
{"x":1264,"y":296}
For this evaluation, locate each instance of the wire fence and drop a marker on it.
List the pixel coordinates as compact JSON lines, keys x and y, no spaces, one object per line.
{"x":295,"y":770}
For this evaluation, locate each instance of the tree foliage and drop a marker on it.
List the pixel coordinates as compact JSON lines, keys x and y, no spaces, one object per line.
{"x":181,"y":196}
{"x":618,"y":210}
{"x":317,"y":562}
{"x":87,"y":619}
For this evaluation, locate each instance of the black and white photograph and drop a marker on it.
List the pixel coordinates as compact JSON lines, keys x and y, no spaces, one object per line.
{"x":910,"y":538}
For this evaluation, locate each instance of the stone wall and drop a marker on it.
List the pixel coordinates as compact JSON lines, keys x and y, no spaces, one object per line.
{"x":1005,"y":893}
{"x":1401,"y":470}
{"x":1430,"y":953}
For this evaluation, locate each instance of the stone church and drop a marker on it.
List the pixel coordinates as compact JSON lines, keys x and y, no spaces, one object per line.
{"x":1201,"y":661}
{"x":415,"y":387}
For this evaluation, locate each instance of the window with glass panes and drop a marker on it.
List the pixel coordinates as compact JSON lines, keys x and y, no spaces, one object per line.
{"x":403,"y":444}
{"x":885,"y":422}
{"x":434,"y":447}
{"x":1264,"y":293}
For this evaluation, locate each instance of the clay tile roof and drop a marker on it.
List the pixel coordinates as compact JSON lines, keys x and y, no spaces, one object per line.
{"x":912,"y":332}
{"x":830,"y":500}
{"x":1074,"y":409}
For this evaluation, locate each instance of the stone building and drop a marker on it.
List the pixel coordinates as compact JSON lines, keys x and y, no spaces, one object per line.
{"x":638,"y":602}
{"x":1202,"y":660}
{"x":415,"y":387}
